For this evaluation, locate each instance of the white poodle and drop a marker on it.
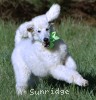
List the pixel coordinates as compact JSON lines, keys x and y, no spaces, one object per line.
{"x":32,"y":57}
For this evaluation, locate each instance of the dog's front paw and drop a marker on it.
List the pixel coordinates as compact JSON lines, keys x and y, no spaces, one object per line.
{"x":82,"y":82}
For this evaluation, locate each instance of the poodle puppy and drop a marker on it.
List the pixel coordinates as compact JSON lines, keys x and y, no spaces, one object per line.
{"x":32,"y":57}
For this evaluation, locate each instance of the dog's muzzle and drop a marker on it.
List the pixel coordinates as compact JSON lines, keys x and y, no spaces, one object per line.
{"x":46,"y":42}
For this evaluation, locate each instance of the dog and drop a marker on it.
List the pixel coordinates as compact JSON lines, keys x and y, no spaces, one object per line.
{"x":31,"y":56}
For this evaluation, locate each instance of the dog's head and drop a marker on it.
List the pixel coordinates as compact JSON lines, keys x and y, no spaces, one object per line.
{"x":41,"y":26}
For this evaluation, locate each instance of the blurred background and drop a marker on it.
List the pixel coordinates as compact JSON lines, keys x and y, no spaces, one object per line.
{"x":24,"y":10}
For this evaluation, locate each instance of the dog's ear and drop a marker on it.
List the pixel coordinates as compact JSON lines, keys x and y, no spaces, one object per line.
{"x":53,"y":12}
{"x":30,"y":29}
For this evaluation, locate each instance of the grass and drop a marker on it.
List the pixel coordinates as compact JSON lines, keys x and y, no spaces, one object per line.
{"x":81,"y":40}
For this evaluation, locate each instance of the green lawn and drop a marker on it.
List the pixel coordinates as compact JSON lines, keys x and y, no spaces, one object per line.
{"x":81,"y":40}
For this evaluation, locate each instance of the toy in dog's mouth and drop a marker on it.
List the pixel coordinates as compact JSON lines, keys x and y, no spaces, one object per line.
{"x":51,"y":41}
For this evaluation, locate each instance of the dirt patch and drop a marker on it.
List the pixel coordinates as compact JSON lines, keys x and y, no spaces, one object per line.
{"x":21,"y":11}
{"x":83,"y":11}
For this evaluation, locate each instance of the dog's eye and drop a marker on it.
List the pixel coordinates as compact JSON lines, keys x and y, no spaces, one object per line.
{"x":39,"y":31}
{"x":47,"y":29}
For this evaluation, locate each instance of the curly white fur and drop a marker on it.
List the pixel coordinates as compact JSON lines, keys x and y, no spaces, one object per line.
{"x":31,"y":57}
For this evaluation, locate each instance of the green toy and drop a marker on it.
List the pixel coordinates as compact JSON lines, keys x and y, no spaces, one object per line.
{"x":53,"y":38}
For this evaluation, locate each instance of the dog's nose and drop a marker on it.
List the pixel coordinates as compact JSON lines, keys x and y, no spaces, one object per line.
{"x":46,"y":39}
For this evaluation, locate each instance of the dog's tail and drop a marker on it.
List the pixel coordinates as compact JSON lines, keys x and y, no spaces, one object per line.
{"x":23,"y":31}
{"x":53,"y":12}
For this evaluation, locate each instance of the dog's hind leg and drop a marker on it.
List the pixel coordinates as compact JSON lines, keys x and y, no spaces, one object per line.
{"x":60,"y":72}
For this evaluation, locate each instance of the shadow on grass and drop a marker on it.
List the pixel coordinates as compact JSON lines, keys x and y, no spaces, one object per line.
{"x":92,"y":83}
{"x":91,"y":88}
